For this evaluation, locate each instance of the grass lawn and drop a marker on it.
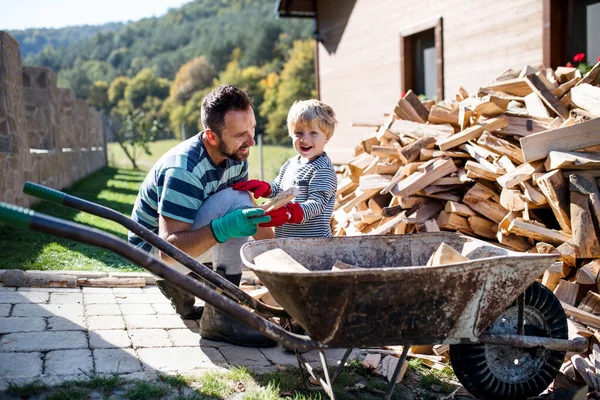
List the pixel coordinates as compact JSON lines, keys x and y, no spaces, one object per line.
{"x":274,"y":157}
{"x":354,"y":383}
{"x":115,"y":187}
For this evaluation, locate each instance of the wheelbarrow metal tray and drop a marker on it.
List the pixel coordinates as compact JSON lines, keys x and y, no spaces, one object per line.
{"x":395,"y":299}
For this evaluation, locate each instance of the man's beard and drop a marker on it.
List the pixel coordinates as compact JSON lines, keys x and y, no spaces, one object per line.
{"x":232,"y":155}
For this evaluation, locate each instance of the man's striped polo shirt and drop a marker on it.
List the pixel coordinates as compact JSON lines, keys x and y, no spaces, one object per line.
{"x":179,"y":183}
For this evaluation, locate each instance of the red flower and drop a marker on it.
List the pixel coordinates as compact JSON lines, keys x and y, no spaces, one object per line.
{"x":598,"y":58}
{"x":569,"y":65}
{"x":579,"y":57}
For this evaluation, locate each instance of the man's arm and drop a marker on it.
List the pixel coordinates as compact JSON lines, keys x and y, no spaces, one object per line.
{"x":180,"y":235}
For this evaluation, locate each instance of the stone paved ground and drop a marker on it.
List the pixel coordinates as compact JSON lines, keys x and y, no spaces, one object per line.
{"x":64,"y":334}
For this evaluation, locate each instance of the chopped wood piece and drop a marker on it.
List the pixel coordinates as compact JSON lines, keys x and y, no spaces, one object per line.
{"x":582,"y":316}
{"x":371,"y":361}
{"x":473,"y":132}
{"x":361,"y":196}
{"x":587,"y":97}
{"x":340,"y":266}
{"x":443,"y":115}
{"x":419,"y":180}
{"x":281,"y":199}
{"x":516,"y":87}
{"x":520,"y":174}
{"x":552,"y":275}
{"x":537,"y":231}
{"x":373,"y":181}
{"x":389,"y":225}
{"x":483,"y":227}
{"x":417,"y":105}
{"x":416,"y":130}
{"x":485,"y":202}
{"x":345,"y":186}
{"x":411,"y":152}
{"x":446,"y":255}
{"x":452,"y":221}
{"x":278,"y":260}
{"x":358,"y":164}
{"x":524,"y":125}
{"x":459,"y":209}
{"x":566,"y":292}
{"x":556,"y":189}
{"x":535,"y":106}
{"x":513,"y":241}
{"x":501,"y":146}
{"x":578,"y":136}
{"x":565,"y":74}
{"x":582,"y":226}
{"x":572,"y":160}
{"x":590,"y":303}
{"x":538,"y":87}
{"x":477,"y":170}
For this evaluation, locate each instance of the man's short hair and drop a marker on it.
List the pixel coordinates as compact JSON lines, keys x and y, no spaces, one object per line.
{"x":307,"y":112}
{"x":218,"y":102}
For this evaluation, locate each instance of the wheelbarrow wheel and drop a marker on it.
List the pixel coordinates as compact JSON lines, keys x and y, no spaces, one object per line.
{"x":493,"y":372}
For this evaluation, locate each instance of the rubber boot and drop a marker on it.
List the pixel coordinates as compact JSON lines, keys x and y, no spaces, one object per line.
{"x":218,"y":326}
{"x":181,"y":300}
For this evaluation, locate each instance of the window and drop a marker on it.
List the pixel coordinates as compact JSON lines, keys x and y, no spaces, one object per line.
{"x":421,"y":59}
{"x":571,"y":27}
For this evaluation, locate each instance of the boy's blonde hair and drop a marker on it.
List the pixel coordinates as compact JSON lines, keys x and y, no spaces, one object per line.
{"x":307,"y":112}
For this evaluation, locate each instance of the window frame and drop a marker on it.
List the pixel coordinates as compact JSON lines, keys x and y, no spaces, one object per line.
{"x":407,"y":36}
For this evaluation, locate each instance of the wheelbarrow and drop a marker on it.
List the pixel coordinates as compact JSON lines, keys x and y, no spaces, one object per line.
{"x":507,"y":339}
{"x":205,"y":273}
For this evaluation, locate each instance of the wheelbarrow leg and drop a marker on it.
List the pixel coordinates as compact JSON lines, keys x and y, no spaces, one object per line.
{"x":325,"y":384}
{"x":340,"y":367}
{"x":392,"y":385}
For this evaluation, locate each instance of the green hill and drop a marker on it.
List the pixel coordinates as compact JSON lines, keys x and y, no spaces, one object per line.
{"x":210,"y":28}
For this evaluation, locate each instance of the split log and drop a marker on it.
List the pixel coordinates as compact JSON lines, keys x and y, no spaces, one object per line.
{"x":520,"y":174}
{"x":566,"y":292}
{"x":425,"y":176}
{"x":582,"y":226}
{"x":341,"y":266}
{"x":587,"y":97}
{"x":278,"y":260}
{"x":281,"y":199}
{"x":572,"y":160}
{"x":588,"y":274}
{"x":552,"y":276}
{"x":445,"y":254}
{"x":556,"y":189}
{"x":501,"y":146}
{"x":416,"y":130}
{"x":578,"y":136}
{"x":540,"y":89}
{"x":582,"y":316}
{"x":516,"y":87}
{"x":411,"y":152}
{"x":473,"y":133}
{"x":537,"y":231}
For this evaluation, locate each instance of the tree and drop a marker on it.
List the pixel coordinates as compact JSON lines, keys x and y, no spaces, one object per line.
{"x":134,"y":133}
{"x":146,"y":84}
{"x":194,"y":75}
{"x":99,"y":95}
{"x":116,"y":90}
{"x":296,"y":82}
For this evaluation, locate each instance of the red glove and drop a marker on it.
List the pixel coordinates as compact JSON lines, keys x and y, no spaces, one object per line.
{"x":257,"y":187}
{"x":291,"y":213}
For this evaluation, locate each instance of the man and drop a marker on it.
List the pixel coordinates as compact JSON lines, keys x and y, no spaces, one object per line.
{"x":186,"y":198}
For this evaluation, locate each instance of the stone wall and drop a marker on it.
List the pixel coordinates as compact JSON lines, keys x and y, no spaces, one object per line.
{"x":47,"y":135}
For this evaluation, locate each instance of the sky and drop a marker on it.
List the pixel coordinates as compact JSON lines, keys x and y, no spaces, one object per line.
{"x":23,"y":14}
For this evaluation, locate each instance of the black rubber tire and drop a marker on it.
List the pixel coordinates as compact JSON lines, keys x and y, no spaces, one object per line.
{"x":472,"y":367}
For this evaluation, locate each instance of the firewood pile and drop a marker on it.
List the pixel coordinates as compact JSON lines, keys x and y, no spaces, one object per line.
{"x":516,"y":164}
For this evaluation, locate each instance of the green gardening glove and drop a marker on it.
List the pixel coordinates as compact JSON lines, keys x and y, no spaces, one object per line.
{"x":238,"y":223}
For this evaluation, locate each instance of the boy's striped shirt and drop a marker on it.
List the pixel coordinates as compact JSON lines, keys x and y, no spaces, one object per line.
{"x":179,"y":183}
{"x":317,"y":182}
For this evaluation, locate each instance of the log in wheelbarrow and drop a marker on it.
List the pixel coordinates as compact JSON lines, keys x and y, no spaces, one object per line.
{"x":508,"y":337}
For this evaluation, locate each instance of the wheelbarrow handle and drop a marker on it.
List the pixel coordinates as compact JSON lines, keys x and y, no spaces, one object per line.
{"x":44,"y":193}
{"x":20,"y":217}
{"x":207,"y":274}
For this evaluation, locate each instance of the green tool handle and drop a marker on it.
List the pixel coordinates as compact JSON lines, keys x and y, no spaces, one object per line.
{"x":17,"y":217}
{"x":44,"y":193}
